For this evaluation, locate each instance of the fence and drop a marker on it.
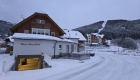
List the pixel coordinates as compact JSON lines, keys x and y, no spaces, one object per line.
{"x":6,"y":64}
{"x":76,"y":56}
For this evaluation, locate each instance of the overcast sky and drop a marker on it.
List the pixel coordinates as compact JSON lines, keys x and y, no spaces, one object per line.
{"x":69,"y":14}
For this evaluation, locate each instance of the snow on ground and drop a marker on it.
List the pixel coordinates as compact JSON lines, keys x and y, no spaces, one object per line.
{"x":107,"y":64}
{"x":59,"y":66}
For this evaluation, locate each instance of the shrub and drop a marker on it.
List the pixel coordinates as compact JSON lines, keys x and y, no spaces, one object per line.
{"x":125,"y":43}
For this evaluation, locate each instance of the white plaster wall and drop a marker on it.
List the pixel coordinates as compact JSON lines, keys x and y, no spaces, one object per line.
{"x":46,"y":46}
{"x":63,"y":50}
{"x":57,"y":51}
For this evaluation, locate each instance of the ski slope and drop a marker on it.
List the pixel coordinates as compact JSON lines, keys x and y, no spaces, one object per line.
{"x":103,"y":25}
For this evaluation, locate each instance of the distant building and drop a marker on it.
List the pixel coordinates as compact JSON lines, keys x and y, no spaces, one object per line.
{"x":94,"y":38}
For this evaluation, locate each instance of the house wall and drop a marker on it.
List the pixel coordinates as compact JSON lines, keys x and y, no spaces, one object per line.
{"x":32,"y":23}
{"x":64,"y":48}
{"x":46,"y":46}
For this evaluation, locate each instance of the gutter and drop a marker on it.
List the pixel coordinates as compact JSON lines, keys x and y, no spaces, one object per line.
{"x":54,"y":48}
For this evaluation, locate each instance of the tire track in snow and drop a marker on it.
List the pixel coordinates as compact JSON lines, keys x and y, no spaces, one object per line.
{"x":79,"y":68}
{"x":81,"y":71}
{"x":98,"y":74}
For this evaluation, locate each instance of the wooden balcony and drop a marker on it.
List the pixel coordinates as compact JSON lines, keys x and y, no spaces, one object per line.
{"x":39,"y":25}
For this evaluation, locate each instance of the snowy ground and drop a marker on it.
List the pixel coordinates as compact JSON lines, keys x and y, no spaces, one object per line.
{"x":106,"y":65}
{"x":2,"y":50}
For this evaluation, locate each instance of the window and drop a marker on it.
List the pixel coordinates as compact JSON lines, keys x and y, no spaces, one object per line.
{"x":41,"y":21}
{"x":26,"y":31}
{"x":52,"y":33}
{"x":47,"y":32}
{"x":40,"y":31}
{"x":60,"y":47}
{"x":33,"y":31}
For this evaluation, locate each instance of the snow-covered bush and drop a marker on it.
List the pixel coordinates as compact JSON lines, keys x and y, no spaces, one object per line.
{"x":125,"y":43}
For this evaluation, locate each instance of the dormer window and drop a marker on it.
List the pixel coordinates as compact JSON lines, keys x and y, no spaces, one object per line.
{"x":40,"y":21}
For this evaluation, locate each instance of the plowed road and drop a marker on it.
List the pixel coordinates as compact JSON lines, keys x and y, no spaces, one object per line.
{"x":109,"y":67}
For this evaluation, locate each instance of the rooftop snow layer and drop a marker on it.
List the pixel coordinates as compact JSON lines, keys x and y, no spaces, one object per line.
{"x":73,"y":34}
{"x":98,"y":35}
{"x":38,"y":36}
{"x":10,"y":38}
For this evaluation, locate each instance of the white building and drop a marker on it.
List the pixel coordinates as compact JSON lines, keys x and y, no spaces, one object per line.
{"x":74,"y":36}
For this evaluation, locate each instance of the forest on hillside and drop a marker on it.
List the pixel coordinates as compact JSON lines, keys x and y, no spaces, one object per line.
{"x":114,"y":29}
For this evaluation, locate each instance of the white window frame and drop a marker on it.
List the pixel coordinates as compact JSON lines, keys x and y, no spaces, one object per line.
{"x":53,"y":33}
{"x":40,"y":31}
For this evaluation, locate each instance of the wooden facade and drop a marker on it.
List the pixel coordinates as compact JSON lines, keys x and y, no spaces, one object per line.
{"x":95,"y":39}
{"x":31,"y":22}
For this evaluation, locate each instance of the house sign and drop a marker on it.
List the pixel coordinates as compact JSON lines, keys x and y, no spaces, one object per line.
{"x":30,"y":43}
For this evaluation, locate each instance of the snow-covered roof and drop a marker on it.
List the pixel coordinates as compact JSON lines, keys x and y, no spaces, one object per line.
{"x":73,"y":34}
{"x":94,"y":43}
{"x":10,"y":38}
{"x":98,"y":35}
{"x":38,"y":36}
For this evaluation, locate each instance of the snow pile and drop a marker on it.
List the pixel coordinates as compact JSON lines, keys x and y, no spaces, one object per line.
{"x":6,"y":62}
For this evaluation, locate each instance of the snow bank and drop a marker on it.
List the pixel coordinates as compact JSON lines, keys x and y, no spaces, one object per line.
{"x":47,"y":59}
{"x":6,"y":64}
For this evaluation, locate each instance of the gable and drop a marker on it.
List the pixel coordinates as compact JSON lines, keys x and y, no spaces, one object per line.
{"x":30,"y":22}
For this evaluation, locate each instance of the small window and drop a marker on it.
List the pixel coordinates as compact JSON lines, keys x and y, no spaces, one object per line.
{"x":60,"y":47}
{"x":52,"y":33}
{"x":26,"y":31}
{"x":41,"y":21}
